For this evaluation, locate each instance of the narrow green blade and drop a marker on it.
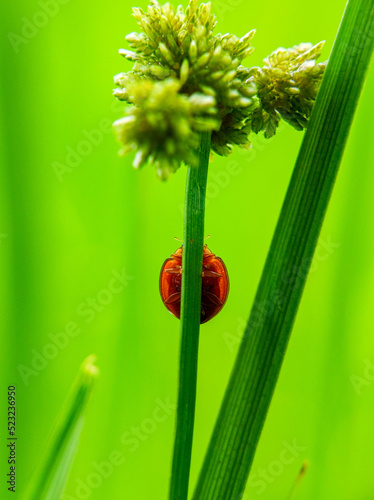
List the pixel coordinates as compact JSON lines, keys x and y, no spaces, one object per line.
{"x":52,"y":473}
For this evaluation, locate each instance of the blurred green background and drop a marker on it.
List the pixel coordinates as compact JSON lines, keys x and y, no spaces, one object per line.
{"x":66,"y":238}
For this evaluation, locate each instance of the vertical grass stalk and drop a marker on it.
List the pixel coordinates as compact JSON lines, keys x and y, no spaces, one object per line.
{"x":248,"y":396}
{"x":193,"y":241}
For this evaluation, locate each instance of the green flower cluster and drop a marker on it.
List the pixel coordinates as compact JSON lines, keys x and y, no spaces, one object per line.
{"x":185,"y":80}
{"x":287,"y":87}
{"x":164,"y":125}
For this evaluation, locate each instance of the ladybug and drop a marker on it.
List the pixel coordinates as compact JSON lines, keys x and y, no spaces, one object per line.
{"x":214,"y":284}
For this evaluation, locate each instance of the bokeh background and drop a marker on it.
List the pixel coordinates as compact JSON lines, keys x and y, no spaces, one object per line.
{"x":75,"y":216}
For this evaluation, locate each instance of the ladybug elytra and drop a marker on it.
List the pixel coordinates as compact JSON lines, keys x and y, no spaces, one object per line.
{"x":214,"y":284}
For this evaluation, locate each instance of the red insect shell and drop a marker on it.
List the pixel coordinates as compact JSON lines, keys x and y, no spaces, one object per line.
{"x":214,"y":284}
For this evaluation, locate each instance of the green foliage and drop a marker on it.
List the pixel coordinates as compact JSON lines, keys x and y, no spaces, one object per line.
{"x":254,"y":376}
{"x":179,"y":48}
{"x":52,"y":473}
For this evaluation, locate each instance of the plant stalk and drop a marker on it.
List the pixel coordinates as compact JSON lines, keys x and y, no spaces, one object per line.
{"x":243,"y":412}
{"x":193,"y":241}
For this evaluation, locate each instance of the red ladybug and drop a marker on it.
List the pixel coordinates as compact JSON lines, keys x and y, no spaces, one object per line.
{"x":214,"y":284}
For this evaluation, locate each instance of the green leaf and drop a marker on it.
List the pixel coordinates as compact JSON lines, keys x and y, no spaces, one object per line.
{"x":248,"y":396}
{"x":52,"y":473}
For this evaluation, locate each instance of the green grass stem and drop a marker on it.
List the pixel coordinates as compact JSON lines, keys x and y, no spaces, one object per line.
{"x":193,"y":241}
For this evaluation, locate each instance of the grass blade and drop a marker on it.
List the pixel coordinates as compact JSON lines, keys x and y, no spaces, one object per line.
{"x":248,"y":396}
{"x":193,"y":241}
{"x":50,"y":477}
